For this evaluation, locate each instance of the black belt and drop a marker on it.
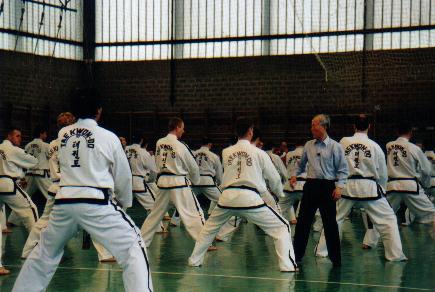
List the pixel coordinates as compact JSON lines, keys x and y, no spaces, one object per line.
{"x":104,"y":201}
{"x":46,"y":173}
{"x":14,"y":180}
{"x":138,"y":175}
{"x":243,"y":188}
{"x":171,"y":174}
{"x":362,"y":177}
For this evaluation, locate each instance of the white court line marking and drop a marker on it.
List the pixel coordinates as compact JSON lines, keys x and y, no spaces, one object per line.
{"x":247,"y":277}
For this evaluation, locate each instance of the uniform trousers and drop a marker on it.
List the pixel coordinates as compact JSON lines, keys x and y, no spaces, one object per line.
{"x":287,"y":204}
{"x":35,"y":233}
{"x":187,"y":205}
{"x":148,"y":199}
{"x":34,"y":183}
{"x":420,"y":209}
{"x":418,"y":204}
{"x":265,"y":217}
{"x":22,"y":205}
{"x":228,"y":229}
{"x":384,"y":220}
{"x":318,"y":195}
{"x":108,"y":224}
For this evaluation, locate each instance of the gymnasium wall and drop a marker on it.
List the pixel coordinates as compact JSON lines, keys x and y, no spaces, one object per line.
{"x":34,"y":89}
{"x":281,"y":93}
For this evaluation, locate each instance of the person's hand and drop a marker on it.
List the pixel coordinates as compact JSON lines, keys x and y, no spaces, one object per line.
{"x":293,"y":181}
{"x":336,"y":194}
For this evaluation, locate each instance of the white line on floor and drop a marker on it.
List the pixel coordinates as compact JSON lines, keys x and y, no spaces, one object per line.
{"x":247,"y":277}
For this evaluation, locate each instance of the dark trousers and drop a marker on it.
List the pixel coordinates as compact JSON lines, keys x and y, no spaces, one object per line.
{"x":318,"y":195}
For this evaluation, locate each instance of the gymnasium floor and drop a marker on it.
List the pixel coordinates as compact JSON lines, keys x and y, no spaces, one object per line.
{"x":246,"y":263}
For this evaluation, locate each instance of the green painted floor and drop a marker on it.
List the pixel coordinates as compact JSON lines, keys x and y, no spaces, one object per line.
{"x":246,"y":263}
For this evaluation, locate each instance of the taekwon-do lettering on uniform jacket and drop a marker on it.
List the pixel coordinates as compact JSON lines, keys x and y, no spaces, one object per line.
{"x":201,"y":157}
{"x":165,"y":149}
{"x":2,"y":155}
{"x":240,"y":156}
{"x":78,"y":133}
{"x":357,"y":149}
{"x":396,"y":149}
{"x":131,"y":153}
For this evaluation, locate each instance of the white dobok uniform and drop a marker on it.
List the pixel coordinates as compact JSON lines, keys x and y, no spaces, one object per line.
{"x":210,"y":172}
{"x":292,"y":194}
{"x":144,"y":171}
{"x":38,"y":177}
{"x":245,"y":170}
{"x":12,"y":162}
{"x":177,"y":171}
{"x":409,"y":173}
{"x":431,"y":157}
{"x":53,"y":163}
{"x":93,"y":166}
{"x":365,"y":187}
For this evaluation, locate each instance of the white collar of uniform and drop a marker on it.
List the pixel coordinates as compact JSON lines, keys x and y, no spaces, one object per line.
{"x":403,"y":139}
{"x":243,"y":141}
{"x":87,"y":122}
{"x":269,"y":152}
{"x":37,"y":139}
{"x":326,"y":141}
{"x":204,"y":148}
{"x":172,"y":136}
{"x":134,"y":145}
{"x":360,"y":134}
{"x":298,"y":147}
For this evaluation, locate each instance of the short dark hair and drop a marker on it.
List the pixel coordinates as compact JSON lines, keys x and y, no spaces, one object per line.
{"x":174,"y":123}
{"x":361,"y":122}
{"x":243,"y":125}
{"x":39,"y":130}
{"x":403,"y":127}
{"x":10,"y":130}
{"x":205,"y":140}
{"x":86,"y":103}
{"x":257,"y":134}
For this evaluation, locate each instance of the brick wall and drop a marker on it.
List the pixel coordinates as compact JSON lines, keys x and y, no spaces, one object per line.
{"x":282,"y":93}
{"x":34,"y":89}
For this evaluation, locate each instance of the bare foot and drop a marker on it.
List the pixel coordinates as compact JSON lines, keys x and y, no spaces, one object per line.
{"x":166,"y":218}
{"x":212,"y":248}
{"x":6,"y":231}
{"x":4,"y":271}
{"x":293,"y":222}
{"x":365,"y":246}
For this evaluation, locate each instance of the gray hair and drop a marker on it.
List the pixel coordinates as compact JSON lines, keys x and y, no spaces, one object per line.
{"x":324,"y":120}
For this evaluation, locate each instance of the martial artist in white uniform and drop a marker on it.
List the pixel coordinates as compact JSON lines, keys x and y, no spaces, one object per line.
{"x":365,"y":187}
{"x":409,"y":173}
{"x":93,"y":166}
{"x":431,"y":157}
{"x":37,"y":177}
{"x":282,"y":171}
{"x":177,"y":171}
{"x":12,"y":162}
{"x":293,"y":194}
{"x":64,"y":119}
{"x":210,"y":172}
{"x":245,"y":170}
{"x":144,"y":171}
